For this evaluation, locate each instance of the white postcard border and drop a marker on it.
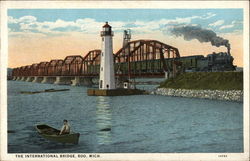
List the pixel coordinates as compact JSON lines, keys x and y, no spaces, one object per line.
{"x":126,"y":4}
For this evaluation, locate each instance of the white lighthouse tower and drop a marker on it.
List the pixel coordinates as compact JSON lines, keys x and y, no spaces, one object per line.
{"x":107,"y":75}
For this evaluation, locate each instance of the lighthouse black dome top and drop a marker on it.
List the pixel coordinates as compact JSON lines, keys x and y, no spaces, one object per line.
{"x":107,"y":31}
{"x":106,"y":25}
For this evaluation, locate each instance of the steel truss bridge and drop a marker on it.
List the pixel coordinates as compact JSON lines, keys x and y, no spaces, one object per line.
{"x":139,"y":58}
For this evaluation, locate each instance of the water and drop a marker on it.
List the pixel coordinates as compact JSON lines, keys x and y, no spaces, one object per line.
{"x":143,"y":123}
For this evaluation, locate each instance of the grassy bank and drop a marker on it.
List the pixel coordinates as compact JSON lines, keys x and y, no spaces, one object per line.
{"x":206,"y":80}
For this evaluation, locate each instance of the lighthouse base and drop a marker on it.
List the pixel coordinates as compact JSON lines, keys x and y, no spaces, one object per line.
{"x":115,"y":92}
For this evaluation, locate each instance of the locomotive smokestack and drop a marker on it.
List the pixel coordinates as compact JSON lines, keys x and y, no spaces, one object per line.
{"x":228,"y":49}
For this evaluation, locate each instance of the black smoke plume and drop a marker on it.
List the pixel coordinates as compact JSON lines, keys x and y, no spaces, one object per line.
{"x":203,"y":35}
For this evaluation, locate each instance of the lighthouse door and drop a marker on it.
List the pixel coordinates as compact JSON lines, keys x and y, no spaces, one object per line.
{"x":100,"y":83}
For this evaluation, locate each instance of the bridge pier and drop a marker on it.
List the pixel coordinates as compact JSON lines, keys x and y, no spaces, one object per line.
{"x":49,"y":80}
{"x":29,"y":79}
{"x":37,"y":79}
{"x":17,"y":78}
{"x":14,"y":78}
{"x":78,"y":81}
{"x":23,"y":78}
{"x":166,"y":75}
{"x":63,"y":80}
{"x":87,"y":82}
{"x":169,"y":75}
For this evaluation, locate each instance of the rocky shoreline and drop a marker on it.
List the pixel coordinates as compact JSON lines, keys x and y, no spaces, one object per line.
{"x":228,"y":95}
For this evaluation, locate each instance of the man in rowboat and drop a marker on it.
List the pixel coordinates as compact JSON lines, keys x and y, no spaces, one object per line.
{"x":65,"y":128}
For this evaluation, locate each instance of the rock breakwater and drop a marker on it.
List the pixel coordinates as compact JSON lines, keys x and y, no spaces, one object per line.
{"x":228,"y":95}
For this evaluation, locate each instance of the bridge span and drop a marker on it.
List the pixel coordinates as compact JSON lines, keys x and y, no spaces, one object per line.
{"x":137,"y":59}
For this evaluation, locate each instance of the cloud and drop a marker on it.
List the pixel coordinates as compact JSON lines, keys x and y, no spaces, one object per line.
{"x":209,"y":15}
{"x":217,"y":23}
{"x":12,"y":20}
{"x":237,"y":32}
{"x":30,"y":24}
{"x":226,"y":26}
{"x":89,"y":25}
{"x":235,"y":24}
{"x":24,"y":19}
{"x":27,"y":19}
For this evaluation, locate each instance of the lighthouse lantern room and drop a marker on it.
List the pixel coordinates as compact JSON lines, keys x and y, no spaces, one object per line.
{"x":107,"y":76}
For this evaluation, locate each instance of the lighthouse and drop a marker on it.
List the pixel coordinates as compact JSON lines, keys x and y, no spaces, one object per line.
{"x":107,"y":75}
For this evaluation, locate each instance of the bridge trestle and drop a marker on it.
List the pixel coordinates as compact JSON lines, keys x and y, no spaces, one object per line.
{"x":140,"y":58}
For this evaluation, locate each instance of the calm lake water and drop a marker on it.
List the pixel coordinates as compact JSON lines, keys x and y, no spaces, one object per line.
{"x":141,"y":124}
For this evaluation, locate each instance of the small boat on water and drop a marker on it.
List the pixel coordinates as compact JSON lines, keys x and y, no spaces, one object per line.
{"x":46,"y":90}
{"x":55,"y":90}
{"x":52,"y":134}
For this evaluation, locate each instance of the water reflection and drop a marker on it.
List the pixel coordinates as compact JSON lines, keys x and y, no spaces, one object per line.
{"x":103,"y":121}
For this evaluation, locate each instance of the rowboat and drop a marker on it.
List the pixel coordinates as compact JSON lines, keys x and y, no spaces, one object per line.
{"x":52,"y":134}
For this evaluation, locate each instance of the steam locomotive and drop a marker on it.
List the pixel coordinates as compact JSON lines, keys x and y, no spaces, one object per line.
{"x":221,"y":61}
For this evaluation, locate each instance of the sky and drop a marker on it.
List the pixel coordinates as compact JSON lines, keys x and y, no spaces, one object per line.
{"x":37,"y":35}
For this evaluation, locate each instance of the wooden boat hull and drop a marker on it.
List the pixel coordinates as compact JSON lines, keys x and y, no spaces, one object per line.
{"x":52,"y":134}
